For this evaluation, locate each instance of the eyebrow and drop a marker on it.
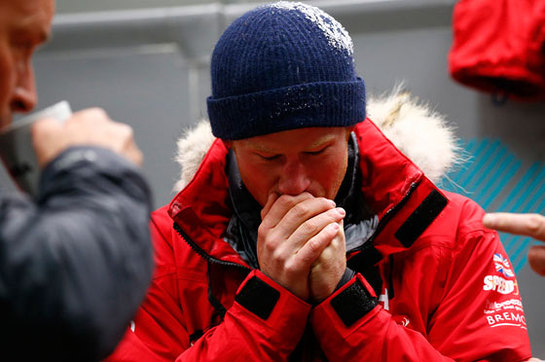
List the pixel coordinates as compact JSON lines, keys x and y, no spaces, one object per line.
{"x":322,"y":141}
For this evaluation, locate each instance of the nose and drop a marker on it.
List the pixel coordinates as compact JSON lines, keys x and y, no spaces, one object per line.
{"x":24,"y":95}
{"x":294,"y":179}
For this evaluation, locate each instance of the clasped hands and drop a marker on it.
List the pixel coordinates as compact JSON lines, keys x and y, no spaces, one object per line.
{"x":301,"y":244}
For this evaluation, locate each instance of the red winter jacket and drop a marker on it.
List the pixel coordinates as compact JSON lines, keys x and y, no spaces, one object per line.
{"x":449,"y":292}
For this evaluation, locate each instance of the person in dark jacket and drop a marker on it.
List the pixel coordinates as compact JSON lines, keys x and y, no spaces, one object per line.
{"x":75,"y":262}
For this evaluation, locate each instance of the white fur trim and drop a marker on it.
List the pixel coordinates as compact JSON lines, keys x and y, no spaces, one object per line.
{"x":420,"y":133}
{"x":192,"y":148}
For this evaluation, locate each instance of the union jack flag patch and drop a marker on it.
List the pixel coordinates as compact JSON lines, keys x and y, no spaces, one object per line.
{"x":503,"y":266}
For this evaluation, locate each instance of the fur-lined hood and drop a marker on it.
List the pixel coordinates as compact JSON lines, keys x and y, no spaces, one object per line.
{"x":420,"y":133}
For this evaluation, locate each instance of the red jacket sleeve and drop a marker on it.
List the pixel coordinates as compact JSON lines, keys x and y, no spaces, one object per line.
{"x":477,"y":316}
{"x":260,"y":326}
{"x":264,"y":323}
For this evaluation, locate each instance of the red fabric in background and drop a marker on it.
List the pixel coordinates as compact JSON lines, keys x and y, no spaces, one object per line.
{"x":498,"y":47}
{"x":536,"y":44}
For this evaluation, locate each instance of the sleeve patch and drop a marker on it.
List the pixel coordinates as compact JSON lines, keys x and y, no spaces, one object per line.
{"x":353,"y":303}
{"x":258,"y":297}
{"x":421,"y":218}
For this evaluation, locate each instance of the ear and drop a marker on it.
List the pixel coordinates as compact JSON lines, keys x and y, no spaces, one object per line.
{"x":228,"y":144}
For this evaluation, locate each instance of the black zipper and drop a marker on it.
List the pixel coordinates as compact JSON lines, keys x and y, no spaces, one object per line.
{"x":202,"y":253}
{"x":215,"y":302}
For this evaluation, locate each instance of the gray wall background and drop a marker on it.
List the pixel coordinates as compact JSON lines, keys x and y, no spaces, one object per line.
{"x":146,"y":63}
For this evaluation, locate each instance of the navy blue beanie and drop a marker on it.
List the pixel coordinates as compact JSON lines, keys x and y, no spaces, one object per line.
{"x":283,"y":66}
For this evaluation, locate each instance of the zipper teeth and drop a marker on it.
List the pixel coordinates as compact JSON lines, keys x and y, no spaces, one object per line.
{"x":202,"y":253}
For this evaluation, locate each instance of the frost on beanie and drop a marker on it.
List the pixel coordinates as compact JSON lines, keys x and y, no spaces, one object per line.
{"x":283,"y":66}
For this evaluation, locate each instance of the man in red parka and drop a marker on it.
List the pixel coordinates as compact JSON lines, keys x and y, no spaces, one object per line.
{"x":305,"y":234}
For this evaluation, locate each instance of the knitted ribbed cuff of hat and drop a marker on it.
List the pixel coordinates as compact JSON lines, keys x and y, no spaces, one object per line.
{"x":319,"y":104}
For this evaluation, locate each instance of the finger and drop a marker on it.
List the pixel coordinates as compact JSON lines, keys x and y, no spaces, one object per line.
{"x":536,"y":259}
{"x":337,"y":247}
{"x":128,"y":147}
{"x":270,"y":237}
{"x":281,"y":206}
{"x":523,"y":224}
{"x":306,"y":232}
{"x":45,"y":126}
{"x":43,"y":131}
{"x":339,"y":242}
{"x":304,"y":212}
{"x":311,"y":251}
{"x":96,"y":115}
{"x":135,"y":155}
{"x":284,"y":243}
{"x":313,"y":226}
{"x":273,"y":196}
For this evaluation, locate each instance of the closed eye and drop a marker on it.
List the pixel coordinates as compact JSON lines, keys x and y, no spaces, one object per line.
{"x":317,"y":152}
{"x":268,"y":158}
